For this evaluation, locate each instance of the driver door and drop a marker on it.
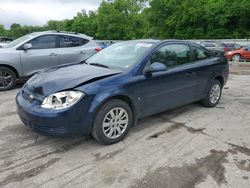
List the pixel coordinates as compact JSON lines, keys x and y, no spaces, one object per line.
{"x":176,"y":86}
{"x":42,"y":55}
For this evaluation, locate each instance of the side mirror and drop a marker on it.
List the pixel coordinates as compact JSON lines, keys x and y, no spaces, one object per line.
{"x":27,"y":46}
{"x":155,"y":67}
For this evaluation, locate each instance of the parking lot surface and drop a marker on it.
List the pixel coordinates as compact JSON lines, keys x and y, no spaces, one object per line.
{"x":190,"y":146}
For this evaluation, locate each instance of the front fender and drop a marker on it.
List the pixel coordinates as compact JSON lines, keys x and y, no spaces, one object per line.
{"x":13,"y":61}
{"x":104,"y":96}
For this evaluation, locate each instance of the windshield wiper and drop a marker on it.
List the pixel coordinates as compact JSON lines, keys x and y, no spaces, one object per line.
{"x":99,"y":65}
{"x":83,"y":62}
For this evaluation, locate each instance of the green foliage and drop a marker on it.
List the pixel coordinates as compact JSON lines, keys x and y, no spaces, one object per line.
{"x":134,"y":19}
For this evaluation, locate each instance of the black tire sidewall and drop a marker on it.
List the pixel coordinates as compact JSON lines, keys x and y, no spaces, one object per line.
{"x":97,"y":131}
{"x":13,"y":76}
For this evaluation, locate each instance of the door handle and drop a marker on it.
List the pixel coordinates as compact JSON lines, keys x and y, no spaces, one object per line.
{"x":52,"y":54}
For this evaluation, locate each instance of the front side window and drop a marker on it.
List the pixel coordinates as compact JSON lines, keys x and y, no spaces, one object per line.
{"x":70,"y":41}
{"x":200,"y":54}
{"x":43,"y":42}
{"x":172,"y":55}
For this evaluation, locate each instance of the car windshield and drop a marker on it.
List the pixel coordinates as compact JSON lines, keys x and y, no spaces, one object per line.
{"x":19,"y":40}
{"x":121,"y":55}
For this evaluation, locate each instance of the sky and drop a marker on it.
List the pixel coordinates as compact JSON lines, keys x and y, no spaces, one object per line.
{"x":38,"y":12}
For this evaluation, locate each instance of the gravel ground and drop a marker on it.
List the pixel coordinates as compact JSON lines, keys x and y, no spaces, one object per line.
{"x":187,"y":147}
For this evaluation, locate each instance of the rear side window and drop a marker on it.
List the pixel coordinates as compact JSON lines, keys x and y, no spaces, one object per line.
{"x":200,"y":54}
{"x":71,"y":41}
{"x":43,"y":42}
{"x":172,"y":55}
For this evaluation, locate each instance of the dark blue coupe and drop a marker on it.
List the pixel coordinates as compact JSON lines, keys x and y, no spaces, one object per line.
{"x":107,"y":93}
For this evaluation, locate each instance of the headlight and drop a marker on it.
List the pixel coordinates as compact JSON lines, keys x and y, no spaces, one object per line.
{"x":62,"y":99}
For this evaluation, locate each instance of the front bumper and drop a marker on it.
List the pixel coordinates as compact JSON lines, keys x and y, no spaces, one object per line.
{"x":66,"y":122}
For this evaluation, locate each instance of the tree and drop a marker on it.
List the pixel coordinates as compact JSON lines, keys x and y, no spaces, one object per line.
{"x":2,"y":30}
{"x":161,"y":19}
{"x":119,"y":19}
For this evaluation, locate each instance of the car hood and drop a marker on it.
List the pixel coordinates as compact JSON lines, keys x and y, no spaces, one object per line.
{"x":66,"y":77}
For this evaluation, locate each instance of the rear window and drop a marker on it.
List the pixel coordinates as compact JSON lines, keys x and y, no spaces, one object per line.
{"x":66,"y":41}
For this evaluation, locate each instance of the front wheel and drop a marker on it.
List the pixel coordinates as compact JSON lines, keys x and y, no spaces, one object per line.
{"x":112,"y":122}
{"x":213,"y":94}
{"x":236,"y":57}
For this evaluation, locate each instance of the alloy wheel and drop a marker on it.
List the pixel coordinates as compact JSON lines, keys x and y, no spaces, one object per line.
{"x":115,"y":123}
{"x":236,"y":57}
{"x":215,"y":93}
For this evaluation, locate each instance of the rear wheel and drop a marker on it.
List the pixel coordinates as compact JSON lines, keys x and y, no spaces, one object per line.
{"x":7,"y":79}
{"x":112,"y":122}
{"x":213,"y":94}
{"x":236,"y":57}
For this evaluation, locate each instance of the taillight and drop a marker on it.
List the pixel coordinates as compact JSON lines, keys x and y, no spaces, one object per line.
{"x":98,"y":49}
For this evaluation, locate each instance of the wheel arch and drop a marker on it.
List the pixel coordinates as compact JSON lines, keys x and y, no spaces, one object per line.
{"x":220,"y":79}
{"x":237,"y":53}
{"x":125,"y":98}
{"x":11,"y":68}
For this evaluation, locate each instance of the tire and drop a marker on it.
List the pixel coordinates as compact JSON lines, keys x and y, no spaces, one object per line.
{"x":105,"y":134}
{"x":8,"y":79}
{"x":236,"y":57}
{"x":212,"y":99}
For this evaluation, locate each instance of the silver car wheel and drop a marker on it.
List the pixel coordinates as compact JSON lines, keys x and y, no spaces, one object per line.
{"x":5,"y":79}
{"x":115,"y":123}
{"x":215,"y":93}
{"x":236,"y":57}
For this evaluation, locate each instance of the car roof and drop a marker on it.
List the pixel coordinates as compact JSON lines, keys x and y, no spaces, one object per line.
{"x":156,"y":41}
{"x":62,"y":32}
{"x":147,"y":40}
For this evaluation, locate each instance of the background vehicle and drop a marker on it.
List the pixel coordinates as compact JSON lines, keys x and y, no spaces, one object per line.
{"x":104,"y":44}
{"x":240,"y":54}
{"x":232,"y":46}
{"x":122,"y":83}
{"x":214,"y":45}
{"x":35,"y":52}
{"x":5,"y":40}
